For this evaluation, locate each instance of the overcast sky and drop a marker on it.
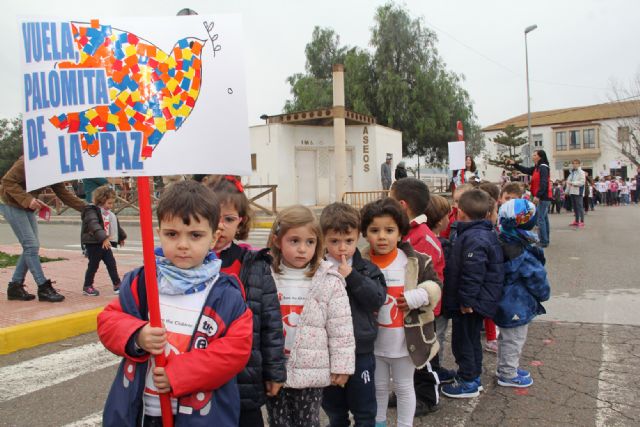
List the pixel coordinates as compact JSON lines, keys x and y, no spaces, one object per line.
{"x":580,"y":46}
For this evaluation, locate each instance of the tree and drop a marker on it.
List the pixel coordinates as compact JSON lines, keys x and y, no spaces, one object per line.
{"x":627,"y":126}
{"x":508,"y":144}
{"x":10,"y":142}
{"x":403,"y":82}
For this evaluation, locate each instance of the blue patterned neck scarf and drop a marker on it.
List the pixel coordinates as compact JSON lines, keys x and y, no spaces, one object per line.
{"x":173,"y":280}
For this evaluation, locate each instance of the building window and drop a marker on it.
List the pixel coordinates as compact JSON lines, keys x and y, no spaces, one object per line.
{"x":254,"y":162}
{"x":537,"y":140}
{"x":623,"y":134}
{"x":561,"y":141}
{"x":589,"y":138}
{"x":574,"y":140}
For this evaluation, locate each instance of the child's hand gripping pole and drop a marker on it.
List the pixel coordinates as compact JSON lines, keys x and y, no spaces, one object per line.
{"x":146,"y":228}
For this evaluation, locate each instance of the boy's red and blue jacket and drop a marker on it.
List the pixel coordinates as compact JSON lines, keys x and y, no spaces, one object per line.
{"x":203,"y":378}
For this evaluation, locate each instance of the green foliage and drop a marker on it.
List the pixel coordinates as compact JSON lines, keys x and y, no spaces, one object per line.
{"x":8,"y":260}
{"x":509,"y":141}
{"x":10,"y":142}
{"x":403,"y":82}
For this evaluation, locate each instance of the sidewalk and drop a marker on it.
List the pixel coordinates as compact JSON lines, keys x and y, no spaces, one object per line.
{"x":25,"y":324}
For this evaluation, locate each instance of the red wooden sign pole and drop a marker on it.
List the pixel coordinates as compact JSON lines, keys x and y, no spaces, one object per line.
{"x":460,"y":133}
{"x":146,"y":227}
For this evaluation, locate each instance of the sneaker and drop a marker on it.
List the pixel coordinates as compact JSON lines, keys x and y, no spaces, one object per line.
{"x":517,"y":381}
{"x":90,"y":291}
{"x":47,"y":293}
{"x":491,"y":346}
{"x":478,"y":381}
{"x":573,"y":224}
{"x":461,"y":389}
{"x":446,"y":376}
{"x":18,"y":291}
{"x":520,"y":372}
{"x":116,"y":289}
{"x":423,"y":408}
{"x":581,"y":224}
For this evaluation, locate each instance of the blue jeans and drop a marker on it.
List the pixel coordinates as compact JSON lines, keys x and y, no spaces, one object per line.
{"x":543,"y":221}
{"x":578,"y":208}
{"x":25,"y":226}
{"x":466,"y":346}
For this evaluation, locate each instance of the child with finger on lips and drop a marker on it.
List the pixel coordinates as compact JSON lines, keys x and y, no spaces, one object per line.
{"x":367,"y":291}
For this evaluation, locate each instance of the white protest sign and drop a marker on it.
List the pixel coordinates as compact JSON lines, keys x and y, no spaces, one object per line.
{"x":120,"y":96}
{"x":456,"y":155}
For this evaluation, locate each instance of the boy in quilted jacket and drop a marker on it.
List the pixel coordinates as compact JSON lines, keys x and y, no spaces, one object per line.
{"x":367,"y":292}
{"x":525,"y":287}
{"x":319,"y":342}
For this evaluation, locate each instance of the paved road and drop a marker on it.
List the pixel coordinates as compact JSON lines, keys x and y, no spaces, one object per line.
{"x":584,"y":354}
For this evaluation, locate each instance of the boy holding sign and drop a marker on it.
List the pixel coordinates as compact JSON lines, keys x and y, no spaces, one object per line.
{"x":207,"y":333}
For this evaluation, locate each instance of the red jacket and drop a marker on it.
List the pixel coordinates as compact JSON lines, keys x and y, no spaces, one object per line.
{"x":425,"y":241}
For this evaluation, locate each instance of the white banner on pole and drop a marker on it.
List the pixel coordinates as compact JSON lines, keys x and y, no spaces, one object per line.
{"x":456,"y":155}
{"x":114,"y":97}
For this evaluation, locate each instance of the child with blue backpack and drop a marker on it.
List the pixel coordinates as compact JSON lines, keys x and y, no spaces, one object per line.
{"x":525,"y":287}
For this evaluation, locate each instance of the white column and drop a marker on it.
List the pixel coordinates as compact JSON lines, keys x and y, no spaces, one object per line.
{"x":339,"y":131}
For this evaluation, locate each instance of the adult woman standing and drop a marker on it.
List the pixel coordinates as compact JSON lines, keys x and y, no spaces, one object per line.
{"x":540,"y":190}
{"x":470,"y":173}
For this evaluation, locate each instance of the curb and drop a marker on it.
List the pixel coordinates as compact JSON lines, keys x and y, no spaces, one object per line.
{"x":32,"y":334}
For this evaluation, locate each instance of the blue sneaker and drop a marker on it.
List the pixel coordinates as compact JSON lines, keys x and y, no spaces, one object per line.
{"x":517,"y":381}
{"x":461,"y":389}
{"x":479,"y":383}
{"x":446,"y":376}
{"x":381,"y":424}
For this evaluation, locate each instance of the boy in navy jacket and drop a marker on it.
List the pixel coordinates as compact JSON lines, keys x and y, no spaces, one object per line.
{"x":474,"y":275}
{"x":367,"y":291}
{"x":207,"y":328}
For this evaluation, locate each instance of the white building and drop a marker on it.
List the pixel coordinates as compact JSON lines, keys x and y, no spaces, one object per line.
{"x":590,"y":134}
{"x":296,"y":152}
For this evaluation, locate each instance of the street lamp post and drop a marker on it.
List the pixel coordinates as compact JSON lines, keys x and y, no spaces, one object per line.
{"x":526,"y":55}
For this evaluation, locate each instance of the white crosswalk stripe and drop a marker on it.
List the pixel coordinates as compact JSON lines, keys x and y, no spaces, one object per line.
{"x":42,"y":372}
{"x":93,"y":420}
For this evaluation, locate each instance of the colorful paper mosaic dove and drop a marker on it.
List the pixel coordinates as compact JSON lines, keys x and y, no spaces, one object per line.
{"x":149,"y":91}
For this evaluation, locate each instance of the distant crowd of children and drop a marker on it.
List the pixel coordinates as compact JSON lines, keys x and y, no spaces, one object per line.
{"x":312,"y":321}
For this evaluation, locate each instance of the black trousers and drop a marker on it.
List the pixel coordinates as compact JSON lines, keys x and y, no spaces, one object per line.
{"x":466,"y":346}
{"x":96,"y":253}
{"x":251,"y":418}
{"x":358,"y":396}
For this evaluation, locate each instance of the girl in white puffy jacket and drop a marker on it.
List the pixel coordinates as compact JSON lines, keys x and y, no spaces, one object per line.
{"x":316,"y":316}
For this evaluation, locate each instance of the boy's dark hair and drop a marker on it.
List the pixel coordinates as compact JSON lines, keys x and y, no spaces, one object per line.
{"x":227,"y":189}
{"x":102,"y":194}
{"x":512,"y":188}
{"x":188,"y":200}
{"x":414,"y":192}
{"x":384,"y":207}
{"x":475,"y":203}
{"x":339,"y":217}
{"x":438,"y":208}
{"x":492,"y":189}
